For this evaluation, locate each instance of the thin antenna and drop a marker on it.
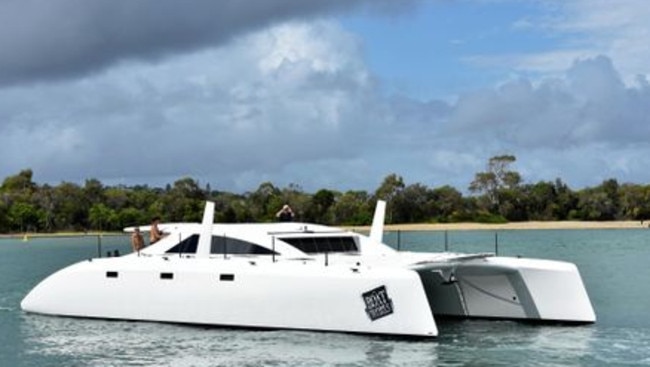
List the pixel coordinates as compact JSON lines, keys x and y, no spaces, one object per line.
{"x":225,"y":246}
{"x":273,"y":248}
{"x":182,"y":249}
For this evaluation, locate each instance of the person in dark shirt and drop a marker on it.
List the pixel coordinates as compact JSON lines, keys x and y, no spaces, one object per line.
{"x":285,"y":214}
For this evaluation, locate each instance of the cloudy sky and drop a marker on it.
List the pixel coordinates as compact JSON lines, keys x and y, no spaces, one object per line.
{"x":324,"y":94}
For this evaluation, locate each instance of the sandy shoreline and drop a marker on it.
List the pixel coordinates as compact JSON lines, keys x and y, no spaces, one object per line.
{"x":514,"y":226}
{"x":411,"y":227}
{"x":60,"y":235}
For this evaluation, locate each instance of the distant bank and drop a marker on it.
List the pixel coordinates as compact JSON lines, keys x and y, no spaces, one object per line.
{"x":514,"y":226}
{"x":60,"y":235}
{"x":629,"y":224}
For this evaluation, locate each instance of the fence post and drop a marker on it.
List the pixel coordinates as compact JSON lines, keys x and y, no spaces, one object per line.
{"x":446,"y":241}
{"x":399,"y":239}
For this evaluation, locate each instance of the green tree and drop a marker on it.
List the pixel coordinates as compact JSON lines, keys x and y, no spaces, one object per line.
{"x":70,"y":207}
{"x":318,"y":211}
{"x":497,"y":178}
{"x":184,"y":201}
{"x":117,"y":198}
{"x":634,"y":201}
{"x":4,"y":218}
{"x":102,"y":217}
{"x":611,"y":188}
{"x":447,"y":201}
{"x":412,"y":204}
{"x":20,"y":183}
{"x":513,"y":205}
{"x":601,"y":202}
{"x":130,"y":216}
{"x":93,"y":191}
{"x":24,"y":205}
{"x":389,"y":188}
{"x":265,"y":201}
{"x":352,"y":208}
{"x":43,"y":198}
{"x":541,"y":201}
{"x":566,"y":201}
{"x":595,"y":204}
{"x":295,"y":196}
{"x":24,"y":216}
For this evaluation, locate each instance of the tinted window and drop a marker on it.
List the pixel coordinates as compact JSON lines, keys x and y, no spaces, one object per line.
{"x":231,"y":245}
{"x":311,"y":245}
{"x":220,"y":245}
{"x":187,"y":246}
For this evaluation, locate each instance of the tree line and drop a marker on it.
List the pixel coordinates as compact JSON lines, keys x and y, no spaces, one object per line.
{"x":497,"y":195}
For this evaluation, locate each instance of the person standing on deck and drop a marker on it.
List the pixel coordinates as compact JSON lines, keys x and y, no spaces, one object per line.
{"x":137,"y":242}
{"x":155,"y":234}
{"x":285,"y":214}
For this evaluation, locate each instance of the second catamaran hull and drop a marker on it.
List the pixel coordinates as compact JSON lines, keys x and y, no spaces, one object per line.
{"x":508,"y":288}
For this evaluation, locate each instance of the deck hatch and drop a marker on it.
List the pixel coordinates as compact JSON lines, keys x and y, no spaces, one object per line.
{"x":111,"y":274}
{"x":166,"y":275}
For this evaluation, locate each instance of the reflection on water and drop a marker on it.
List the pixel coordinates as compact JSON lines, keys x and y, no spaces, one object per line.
{"x":462,"y":343}
{"x":473,"y":342}
{"x":616,"y":346}
{"x":108,"y":343}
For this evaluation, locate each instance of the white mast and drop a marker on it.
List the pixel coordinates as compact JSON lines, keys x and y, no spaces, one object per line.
{"x":205,"y":237}
{"x":377,"y":229}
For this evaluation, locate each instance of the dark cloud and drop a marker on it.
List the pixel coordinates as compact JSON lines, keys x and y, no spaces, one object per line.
{"x":62,"y":38}
{"x":290,"y":95}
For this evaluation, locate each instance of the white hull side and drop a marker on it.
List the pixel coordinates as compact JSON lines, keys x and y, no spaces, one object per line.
{"x":511,"y":288}
{"x":265,"y":295}
{"x":558,"y":293}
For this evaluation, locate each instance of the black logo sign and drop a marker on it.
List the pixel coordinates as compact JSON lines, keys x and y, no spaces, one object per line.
{"x":378,"y":304}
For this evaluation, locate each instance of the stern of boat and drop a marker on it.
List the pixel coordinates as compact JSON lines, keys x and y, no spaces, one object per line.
{"x":508,"y":288}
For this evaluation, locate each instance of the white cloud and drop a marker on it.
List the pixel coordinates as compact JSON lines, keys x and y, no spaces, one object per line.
{"x":296,"y":103}
{"x":294,"y":93}
{"x":581,"y":29}
{"x":584,"y":126}
{"x":589,"y":104}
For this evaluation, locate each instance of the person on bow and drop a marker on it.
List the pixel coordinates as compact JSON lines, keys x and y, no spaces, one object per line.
{"x":137,"y":242}
{"x":155,"y":234}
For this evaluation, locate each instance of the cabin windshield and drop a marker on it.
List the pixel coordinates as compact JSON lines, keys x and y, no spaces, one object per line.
{"x":322,"y":244}
{"x":220,"y":245}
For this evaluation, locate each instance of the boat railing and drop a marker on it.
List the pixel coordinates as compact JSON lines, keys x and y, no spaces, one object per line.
{"x":411,"y":240}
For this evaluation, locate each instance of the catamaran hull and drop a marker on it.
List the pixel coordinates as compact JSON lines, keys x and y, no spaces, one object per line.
{"x":241,"y":293}
{"x":325,"y":279}
{"x":508,"y":288}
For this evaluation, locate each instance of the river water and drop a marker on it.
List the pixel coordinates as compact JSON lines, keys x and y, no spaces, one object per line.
{"x":613,"y":263}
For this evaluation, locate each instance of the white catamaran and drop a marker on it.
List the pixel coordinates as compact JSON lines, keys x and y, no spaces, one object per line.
{"x":310,"y":277}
